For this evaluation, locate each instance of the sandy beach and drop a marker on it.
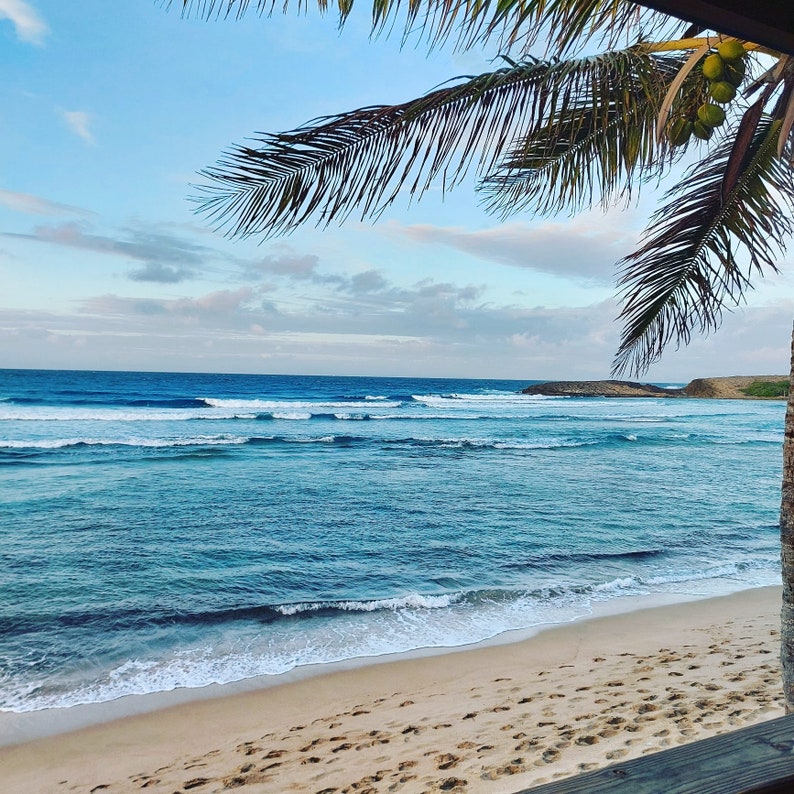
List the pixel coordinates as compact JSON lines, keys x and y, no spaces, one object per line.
{"x":491,"y":719}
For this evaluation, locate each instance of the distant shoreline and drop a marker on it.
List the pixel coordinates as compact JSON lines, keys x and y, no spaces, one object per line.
{"x":727,"y":388}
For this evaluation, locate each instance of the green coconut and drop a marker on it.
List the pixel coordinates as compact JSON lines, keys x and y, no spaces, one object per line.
{"x":731,"y":51}
{"x":680,"y":132}
{"x":701,"y":130}
{"x":711,"y":115}
{"x":722,"y":91}
{"x":713,"y":67}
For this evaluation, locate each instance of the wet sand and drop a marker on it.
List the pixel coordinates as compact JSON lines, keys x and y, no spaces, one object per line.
{"x":491,"y":719}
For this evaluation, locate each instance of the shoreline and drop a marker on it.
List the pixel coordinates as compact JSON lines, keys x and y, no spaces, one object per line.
{"x":500,"y":716}
{"x":21,"y":727}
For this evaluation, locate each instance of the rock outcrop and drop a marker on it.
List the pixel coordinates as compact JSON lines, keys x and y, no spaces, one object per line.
{"x":729,"y":388}
{"x":600,"y":388}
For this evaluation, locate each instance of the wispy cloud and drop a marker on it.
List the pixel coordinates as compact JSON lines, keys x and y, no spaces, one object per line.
{"x":79,"y":122}
{"x":214,"y":306}
{"x":36,"y":205}
{"x":583,"y":249}
{"x":159,"y":273}
{"x":290,"y":265}
{"x":167,"y":259}
{"x":294,"y":266}
{"x":27,"y":22}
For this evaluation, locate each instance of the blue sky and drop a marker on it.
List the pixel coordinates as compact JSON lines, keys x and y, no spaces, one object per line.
{"x":108,"y":110}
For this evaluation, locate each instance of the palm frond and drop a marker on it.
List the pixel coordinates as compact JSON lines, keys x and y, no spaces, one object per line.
{"x":560,"y":24}
{"x":702,"y":248}
{"x":599,"y":142}
{"x":360,"y":161}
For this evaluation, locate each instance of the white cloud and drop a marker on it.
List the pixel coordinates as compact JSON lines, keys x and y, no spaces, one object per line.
{"x":29,"y":25}
{"x":79,"y":122}
{"x":36,"y":205}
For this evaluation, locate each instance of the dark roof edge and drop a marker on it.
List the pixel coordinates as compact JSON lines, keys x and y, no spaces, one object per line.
{"x":761,"y":21}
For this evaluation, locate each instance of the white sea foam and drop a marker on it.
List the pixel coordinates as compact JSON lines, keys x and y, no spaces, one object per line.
{"x":492,"y":400}
{"x":308,"y":406}
{"x":412,"y":601}
{"x":59,"y":443}
{"x":127,"y":414}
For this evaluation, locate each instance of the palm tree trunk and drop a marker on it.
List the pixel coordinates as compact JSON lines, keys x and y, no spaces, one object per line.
{"x":787,"y":550}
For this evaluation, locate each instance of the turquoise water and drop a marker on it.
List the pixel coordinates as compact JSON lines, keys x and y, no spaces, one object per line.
{"x":163,"y":531}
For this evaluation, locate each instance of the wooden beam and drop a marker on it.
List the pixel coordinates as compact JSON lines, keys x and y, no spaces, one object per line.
{"x":768,"y":22}
{"x":754,"y":760}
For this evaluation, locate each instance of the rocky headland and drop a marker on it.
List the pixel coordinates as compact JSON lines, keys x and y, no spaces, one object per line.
{"x":738,"y":387}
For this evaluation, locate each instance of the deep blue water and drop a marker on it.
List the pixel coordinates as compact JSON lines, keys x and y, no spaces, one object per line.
{"x":163,"y":530}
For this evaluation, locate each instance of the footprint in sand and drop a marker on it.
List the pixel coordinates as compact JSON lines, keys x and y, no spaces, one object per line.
{"x":447,"y":760}
{"x":453,"y":784}
{"x":608,"y":732}
{"x":189,"y":784}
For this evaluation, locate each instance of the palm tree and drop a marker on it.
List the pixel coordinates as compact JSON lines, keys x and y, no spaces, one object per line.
{"x":563,"y":132}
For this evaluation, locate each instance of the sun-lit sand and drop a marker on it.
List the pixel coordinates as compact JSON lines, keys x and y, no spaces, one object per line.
{"x":493,"y":719}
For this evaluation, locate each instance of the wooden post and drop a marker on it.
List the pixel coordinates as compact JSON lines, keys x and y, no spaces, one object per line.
{"x":787,"y":550}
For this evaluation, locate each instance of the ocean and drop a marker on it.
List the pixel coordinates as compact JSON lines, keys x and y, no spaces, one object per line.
{"x":162,"y":531}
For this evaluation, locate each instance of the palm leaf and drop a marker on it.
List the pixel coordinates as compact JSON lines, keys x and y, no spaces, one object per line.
{"x":701,"y":249}
{"x":561,"y":24}
{"x":361,"y":160}
{"x":598,"y":143}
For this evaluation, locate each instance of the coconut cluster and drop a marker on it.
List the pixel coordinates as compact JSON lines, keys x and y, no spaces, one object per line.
{"x":723,"y":71}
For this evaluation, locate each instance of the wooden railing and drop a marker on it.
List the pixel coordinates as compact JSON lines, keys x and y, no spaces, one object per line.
{"x":754,"y":760}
